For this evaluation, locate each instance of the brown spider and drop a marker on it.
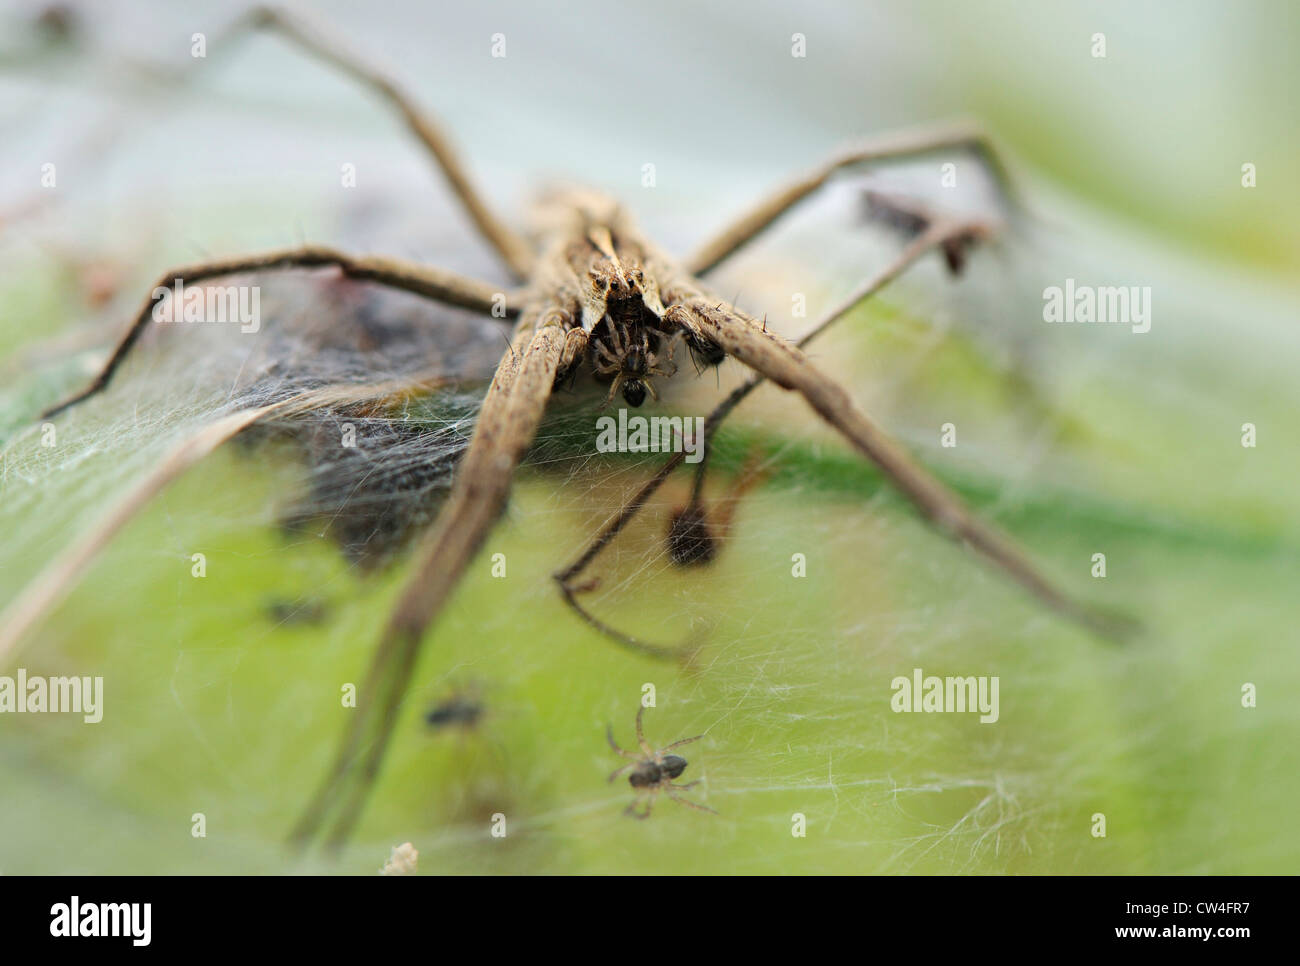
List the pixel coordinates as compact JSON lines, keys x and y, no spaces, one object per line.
{"x":621,"y":345}
{"x":596,"y":298}
{"x":652,"y":772}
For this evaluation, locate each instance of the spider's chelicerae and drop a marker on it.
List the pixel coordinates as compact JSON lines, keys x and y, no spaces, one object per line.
{"x":599,"y":300}
{"x":652,"y":772}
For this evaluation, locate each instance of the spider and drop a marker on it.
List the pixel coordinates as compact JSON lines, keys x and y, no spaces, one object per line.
{"x":652,"y":772}
{"x":595,"y":298}
{"x":462,"y":709}
{"x":632,"y":365}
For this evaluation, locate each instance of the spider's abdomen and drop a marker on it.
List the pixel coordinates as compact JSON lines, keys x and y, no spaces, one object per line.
{"x":645,"y":775}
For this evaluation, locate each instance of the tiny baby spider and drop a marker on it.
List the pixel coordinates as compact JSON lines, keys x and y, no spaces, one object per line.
{"x":652,"y":772}
{"x":631,"y":367}
{"x":462,"y":710}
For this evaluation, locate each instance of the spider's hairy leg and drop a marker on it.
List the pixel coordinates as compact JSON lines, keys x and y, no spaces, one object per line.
{"x":646,"y":803}
{"x":902,"y":144}
{"x":787,"y":366}
{"x":575,"y":346}
{"x":640,"y":733}
{"x":609,"y":736}
{"x":514,"y":250}
{"x":507,"y":424}
{"x":678,"y":744}
{"x":671,"y":791}
{"x":435,"y":284}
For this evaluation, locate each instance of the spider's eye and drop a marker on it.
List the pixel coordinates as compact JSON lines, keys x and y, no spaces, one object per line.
{"x":634,"y":392}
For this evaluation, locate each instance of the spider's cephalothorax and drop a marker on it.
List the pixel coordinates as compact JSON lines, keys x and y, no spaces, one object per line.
{"x":593,"y":254}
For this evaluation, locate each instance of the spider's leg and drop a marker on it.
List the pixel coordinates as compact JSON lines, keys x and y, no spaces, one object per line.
{"x":683,"y":788}
{"x":513,"y":248}
{"x":673,"y":341}
{"x":619,"y":378}
{"x":620,"y":772}
{"x":640,"y":733}
{"x":567,"y":578}
{"x":902,"y":144}
{"x":616,"y":338}
{"x":784,"y":364}
{"x":939,"y":233}
{"x":609,"y":736}
{"x":575,"y":348}
{"x":678,"y":744}
{"x":435,"y":284}
{"x":507,"y":423}
{"x":669,"y":790}
{"x":570,"y":591}
{"x":751,"y":474}
{"x":646,"y":802}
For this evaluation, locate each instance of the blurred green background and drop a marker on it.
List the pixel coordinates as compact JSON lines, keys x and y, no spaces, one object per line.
{"x":1075,"y":439}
